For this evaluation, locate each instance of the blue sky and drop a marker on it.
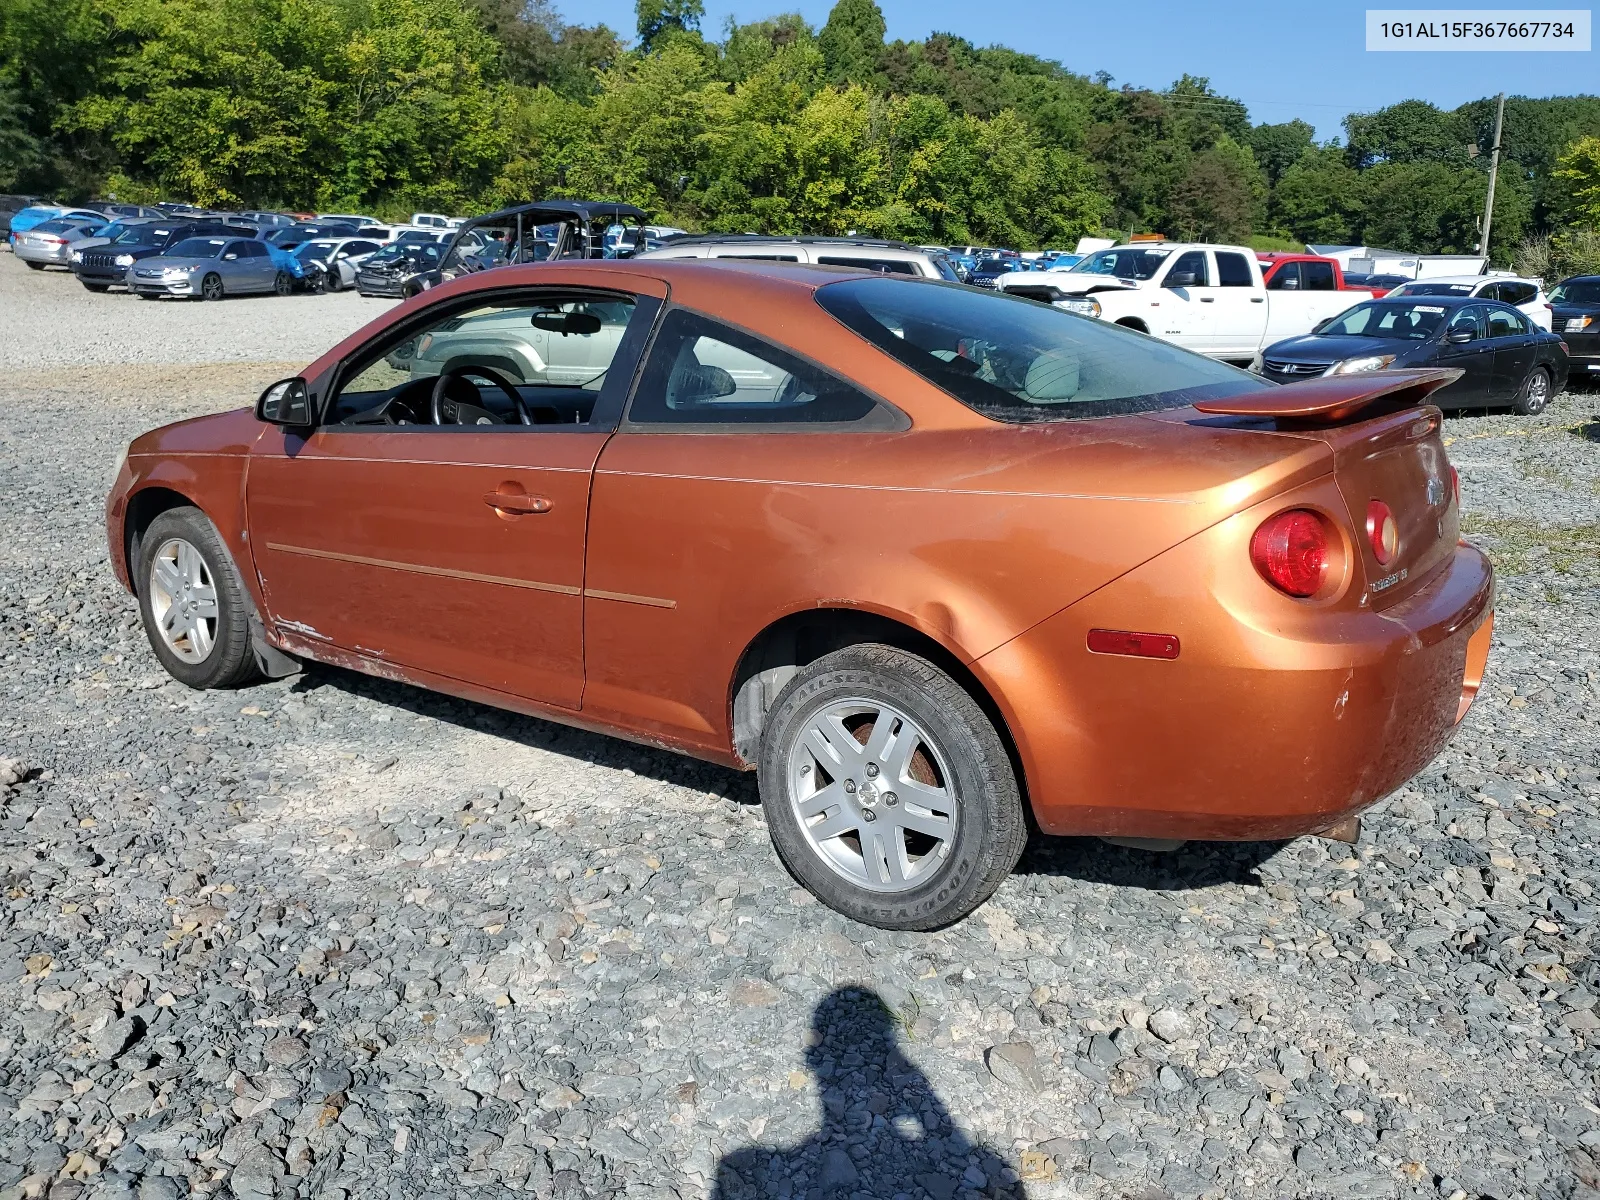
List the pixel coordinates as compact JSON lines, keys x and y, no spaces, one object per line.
{"x":1284,"y":59}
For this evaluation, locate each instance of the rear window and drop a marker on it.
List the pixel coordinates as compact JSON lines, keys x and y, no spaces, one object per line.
{"x":1020,"y":361}
{"x":884,"y":266}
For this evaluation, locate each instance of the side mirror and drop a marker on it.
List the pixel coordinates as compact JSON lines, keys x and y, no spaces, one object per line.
{"x":229,"y":257}
{"x":285,"y":403}
{"x":1460,"y":337}
{"x":1180,"y":279}
{"x":1290,"y":284}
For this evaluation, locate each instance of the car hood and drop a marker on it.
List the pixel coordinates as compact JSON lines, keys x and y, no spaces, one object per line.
{"x":1575,"y":310}
{"x":89,"y":243}
{"x":1075,"y":283}
{"x":1316,"y":348}
{"x":231,"y":432}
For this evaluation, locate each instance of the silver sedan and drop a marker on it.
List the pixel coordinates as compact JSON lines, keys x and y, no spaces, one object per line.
{"x":209,"y":268}
{"x":48,"y":245}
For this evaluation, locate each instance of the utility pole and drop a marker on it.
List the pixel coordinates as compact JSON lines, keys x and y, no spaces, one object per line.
{"x":1494,"y":167}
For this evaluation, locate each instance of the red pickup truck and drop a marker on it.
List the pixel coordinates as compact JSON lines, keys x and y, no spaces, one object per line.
{"x":1306,"y":273}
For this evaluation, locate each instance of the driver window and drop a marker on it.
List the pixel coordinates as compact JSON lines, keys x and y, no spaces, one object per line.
{"x":1192,"y":262}
{"x":515,"y":360}
{"x":1467,"y":320}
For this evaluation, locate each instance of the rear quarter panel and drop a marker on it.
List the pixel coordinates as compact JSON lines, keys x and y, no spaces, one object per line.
{"x":969,"y":537}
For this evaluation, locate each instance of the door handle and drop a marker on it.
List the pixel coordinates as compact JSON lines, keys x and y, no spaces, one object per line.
{"x":1258,"y":300}
{"x":1208,"y":299}
{"x":515,"y":502}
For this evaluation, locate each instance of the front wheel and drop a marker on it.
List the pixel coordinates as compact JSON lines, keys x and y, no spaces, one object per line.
{"x":887,"y":791}
{"x":1534,"y":397}
{"x":193,"y":603}
{"x":211,"y":287}
{"x":33,"y":266}
{"x":282,"y":284}
{"x":331,"y":281}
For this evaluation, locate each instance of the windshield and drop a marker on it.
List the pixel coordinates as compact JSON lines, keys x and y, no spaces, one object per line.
{"x":198,"y":248}
{"x":1124,"y":264}
{"x":1016,"y":360}
{"x":314,"y":251}
{"x":422,"y":257}
{"x":1576,"y":291}
{"x":60,"y":225}
{"x":1434,"y":289}
{"x":1397,"y":322}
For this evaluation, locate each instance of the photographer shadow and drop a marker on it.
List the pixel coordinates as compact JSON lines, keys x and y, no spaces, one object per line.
{"x":884,"y":1132}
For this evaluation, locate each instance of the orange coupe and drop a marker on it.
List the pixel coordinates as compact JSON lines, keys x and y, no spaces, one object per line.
{"x":929,"y":559}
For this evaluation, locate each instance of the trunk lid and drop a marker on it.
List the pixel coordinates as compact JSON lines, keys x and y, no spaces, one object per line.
{"x":1386,"y":447}
{"x":1400,"y":460}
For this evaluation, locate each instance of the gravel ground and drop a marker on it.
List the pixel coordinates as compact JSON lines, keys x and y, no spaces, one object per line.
{"x":333,"y":937}
{"x":51,"y":320}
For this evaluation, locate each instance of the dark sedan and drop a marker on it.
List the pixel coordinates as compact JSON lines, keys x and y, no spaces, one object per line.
{"x":988,"y":269}
{"x":1575,"y":315}
{"x":1504,"y":358}
{"x":393,"y":271}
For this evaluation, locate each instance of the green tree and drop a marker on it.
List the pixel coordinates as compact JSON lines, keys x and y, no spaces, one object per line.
{"x":1321,"y":199}
{"x":539,"y":49}
{"x":21,"y":152}
{"x":748,"y":48}
{"x":381,"y":103}
{"x":852,"y":41}
{"x":1221,"y":196}
{"x":1279,"y":147}
{"x":1578,"y":174}
{"x":1408,"y":132}
{"x":658,"y":19}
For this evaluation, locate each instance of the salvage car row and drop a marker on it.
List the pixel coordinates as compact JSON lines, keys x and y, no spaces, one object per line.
{"x":195,"y":254}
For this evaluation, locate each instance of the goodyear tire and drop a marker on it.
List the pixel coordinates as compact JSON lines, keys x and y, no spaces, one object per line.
{"x":887,"y":791}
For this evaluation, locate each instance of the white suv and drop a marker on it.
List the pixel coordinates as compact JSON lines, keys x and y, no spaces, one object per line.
{"x":888,"y":258}
{"x":1523,"y":294}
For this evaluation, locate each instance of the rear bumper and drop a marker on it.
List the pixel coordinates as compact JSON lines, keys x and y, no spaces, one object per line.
{"x":50,"y":256}
{"x":1273,"y":721}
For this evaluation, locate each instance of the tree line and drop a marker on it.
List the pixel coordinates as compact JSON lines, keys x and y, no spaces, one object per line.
{"x":773,"y":126}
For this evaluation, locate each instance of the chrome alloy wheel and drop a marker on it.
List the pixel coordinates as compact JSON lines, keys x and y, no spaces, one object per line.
{"x":1538,"y":391}
{"x":872,"y":794}
{"x":183,"y":600}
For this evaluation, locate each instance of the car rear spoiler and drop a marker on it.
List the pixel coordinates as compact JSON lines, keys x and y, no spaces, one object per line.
{"x":1335,"y":399}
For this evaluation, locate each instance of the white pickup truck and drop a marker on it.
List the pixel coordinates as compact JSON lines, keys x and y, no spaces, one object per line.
{"x":1206,"y":298}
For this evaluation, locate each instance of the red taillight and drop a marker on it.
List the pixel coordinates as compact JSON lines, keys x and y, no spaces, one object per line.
{"x":1455,"y":485}
{"x":1135,"y":645}
{"x":1382,"y":532}
{"x":1291,"y":552}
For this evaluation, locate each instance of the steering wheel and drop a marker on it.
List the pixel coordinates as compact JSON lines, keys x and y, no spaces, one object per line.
{"x":493,"y":376}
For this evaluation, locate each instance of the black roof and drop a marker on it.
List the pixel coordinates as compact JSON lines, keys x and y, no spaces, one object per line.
{"x":806,"y":239}
{"x":548,"y":212}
